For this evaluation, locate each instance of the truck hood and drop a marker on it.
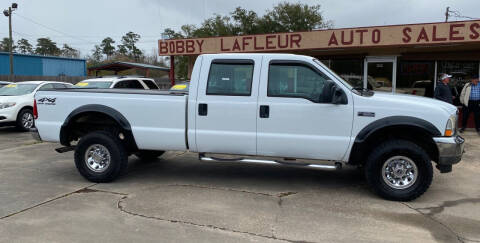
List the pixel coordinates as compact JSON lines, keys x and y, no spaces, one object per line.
{"x":384,"y":105}
{"x":414,"y":101}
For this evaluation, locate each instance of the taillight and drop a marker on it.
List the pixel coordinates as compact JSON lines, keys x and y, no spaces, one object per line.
{"x":35,"y":110}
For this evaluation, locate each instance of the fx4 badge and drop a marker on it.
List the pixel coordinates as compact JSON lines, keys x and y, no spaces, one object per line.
{"x":46,"y":101}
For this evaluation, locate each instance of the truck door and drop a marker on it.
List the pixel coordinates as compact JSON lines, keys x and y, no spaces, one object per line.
{"x":294,"y":120}
{"x":227,"y":105}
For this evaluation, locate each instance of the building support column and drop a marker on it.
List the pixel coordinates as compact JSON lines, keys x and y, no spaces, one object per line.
{"x":191,"y":62}
{"x":172,"y":70}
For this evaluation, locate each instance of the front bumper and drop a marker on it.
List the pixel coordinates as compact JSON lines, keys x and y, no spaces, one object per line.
{"x":450,"y":151}
{"x":7,"y":115}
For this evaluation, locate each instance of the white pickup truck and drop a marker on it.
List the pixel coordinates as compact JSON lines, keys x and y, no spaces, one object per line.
{"x":259,"y":108}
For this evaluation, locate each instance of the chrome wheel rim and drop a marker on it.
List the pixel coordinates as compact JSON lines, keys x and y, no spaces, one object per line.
{"x":27,"y":120}
{"x":399,"y":172}
{"x":97,"y":158}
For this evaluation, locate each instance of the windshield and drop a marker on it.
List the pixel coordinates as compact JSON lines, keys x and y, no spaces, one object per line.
{"x":17,"y":89}
{"x":333,"y":73}
{"x":93,"y":85}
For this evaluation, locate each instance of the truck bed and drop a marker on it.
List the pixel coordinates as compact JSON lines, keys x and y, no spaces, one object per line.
{"x":157,"y":118}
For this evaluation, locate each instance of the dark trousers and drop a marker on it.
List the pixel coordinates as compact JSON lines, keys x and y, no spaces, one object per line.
{"x":473,"y":106}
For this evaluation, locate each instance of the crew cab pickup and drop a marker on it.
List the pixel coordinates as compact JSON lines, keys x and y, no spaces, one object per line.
{"x":259,"y":108}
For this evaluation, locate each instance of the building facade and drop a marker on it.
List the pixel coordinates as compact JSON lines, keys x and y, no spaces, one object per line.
{"x":36,"y":65}
{"x":403,"y":59}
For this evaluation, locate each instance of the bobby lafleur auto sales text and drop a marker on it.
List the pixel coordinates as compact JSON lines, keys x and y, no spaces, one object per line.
{"x":324,"y":39}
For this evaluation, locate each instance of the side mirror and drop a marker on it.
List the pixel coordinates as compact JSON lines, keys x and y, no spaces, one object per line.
{"x":339,"y":97}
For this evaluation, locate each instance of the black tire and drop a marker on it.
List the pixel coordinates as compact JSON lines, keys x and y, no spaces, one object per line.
{"x":21,"y":124}
{"x":389,"y":149}
{"x":118,"y":157}
{"x":147,"y":155}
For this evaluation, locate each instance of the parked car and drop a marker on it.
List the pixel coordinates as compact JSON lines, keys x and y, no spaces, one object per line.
{"x":118,"y":82}
{"x":3,"y":83}
{"x":16,"y":102}
{"x":180,"y":87}
{"x":421,"y":88}
{"x":278,"y":109}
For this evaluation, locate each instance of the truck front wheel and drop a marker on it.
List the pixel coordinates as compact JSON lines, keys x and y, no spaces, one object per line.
{"x":399,"y":170}
{"x":100,"y":157}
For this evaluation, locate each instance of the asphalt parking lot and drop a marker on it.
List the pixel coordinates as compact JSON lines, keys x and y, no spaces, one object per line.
{"x":179,"y":199}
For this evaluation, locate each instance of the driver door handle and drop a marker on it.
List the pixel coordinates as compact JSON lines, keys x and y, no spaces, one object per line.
{"x":202,"y":109}
{"x":264,"y":111}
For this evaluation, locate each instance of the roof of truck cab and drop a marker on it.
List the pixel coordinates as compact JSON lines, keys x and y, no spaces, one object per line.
{"x":254,"y":54}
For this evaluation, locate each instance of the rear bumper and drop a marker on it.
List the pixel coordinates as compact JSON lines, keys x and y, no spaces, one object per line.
{"x":450,"y":151}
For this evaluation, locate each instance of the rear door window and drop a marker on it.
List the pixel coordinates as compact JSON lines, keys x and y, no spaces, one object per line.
{"x":230,"y":78}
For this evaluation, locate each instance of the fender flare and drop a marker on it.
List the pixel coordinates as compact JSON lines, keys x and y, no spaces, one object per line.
{"x":357,"y":151}
{"x":373,"y":127}
{"x":112,"y":113}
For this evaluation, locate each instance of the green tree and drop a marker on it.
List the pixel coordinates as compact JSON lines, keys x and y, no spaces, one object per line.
{"x":47,"y":47}
{"x":96,"y":56}
{"x":215,"y":26}
{"x":284,"y":17}
{"x":24,"y":46}
{"x":289,"y":17}
{"x":107,"y":47}
{"x":68,"y":51}
{"x":128,"y":46}
{"x":246,"y":21}
{"x":5,"y":45}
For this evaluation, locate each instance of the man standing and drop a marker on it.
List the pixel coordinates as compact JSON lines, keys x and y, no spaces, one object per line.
{"x":470,"y":99}
{"x":442,"y":91}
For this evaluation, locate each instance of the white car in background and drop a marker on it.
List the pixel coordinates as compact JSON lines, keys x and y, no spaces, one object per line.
{"x":118,"y":82}
{"x":16,"y":102}
{"x":3,"y":83}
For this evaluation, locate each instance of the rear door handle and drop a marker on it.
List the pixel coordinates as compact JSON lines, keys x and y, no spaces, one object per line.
{"x":264,"y":111}
{"x":202,"y":109}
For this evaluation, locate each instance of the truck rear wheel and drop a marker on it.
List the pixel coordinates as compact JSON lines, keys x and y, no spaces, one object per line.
{"x":100,"y":157}
{"x":146,"y":155}
{"x":399,"y":170}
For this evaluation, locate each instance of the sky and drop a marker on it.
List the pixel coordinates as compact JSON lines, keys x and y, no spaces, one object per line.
{"x":84,"y":23}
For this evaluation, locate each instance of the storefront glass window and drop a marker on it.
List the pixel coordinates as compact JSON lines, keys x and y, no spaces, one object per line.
{"x":461,"y":72}
{"x":415,"y":77}
{"x":380,"y":76}
{"x":351,"y":70}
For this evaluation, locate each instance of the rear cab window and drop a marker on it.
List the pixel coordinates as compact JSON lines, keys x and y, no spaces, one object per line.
{"x":230,"y":77}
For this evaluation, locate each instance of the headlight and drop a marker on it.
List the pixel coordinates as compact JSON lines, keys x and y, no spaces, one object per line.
{"x":451,"y":125}
{"x":7,"y":104}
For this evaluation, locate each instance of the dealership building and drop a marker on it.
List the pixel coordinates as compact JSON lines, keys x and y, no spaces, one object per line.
{"x":394,"y":58}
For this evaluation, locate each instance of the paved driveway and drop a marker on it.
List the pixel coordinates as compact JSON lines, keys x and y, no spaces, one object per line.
{"x":179,"y":199}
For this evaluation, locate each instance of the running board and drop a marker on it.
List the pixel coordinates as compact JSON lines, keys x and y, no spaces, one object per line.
{"x":65,"y":149}
{"x":337,"y":165}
